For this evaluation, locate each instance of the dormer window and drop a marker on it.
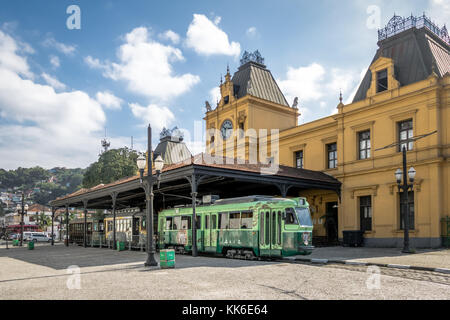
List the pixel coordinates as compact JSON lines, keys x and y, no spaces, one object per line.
{"x":226,"y":99}
{"x":382,"y":80}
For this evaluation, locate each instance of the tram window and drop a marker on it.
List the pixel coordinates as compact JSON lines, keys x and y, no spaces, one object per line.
{"x":176,"y":223}
{"x":246,"y":220}
{"x":290,"y":216}
{"x":198,"y":222}
{"x":213,"y":222}
{"x":185,"y":223}
{"x":169,"y":221}
{"x":143,"y":222}
{"x":206,"y":222}
{"x":235,"y":220}
{"x":224,"y":221}
{"x":267,"y":238}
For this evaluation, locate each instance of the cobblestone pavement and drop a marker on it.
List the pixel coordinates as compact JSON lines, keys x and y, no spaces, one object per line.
{"x":431,"y":258}
{"x":107,"y":274}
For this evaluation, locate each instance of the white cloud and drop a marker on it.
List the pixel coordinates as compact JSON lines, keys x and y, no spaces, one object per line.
{"x":317,"y":88}
{"x":158,"y":117}
{"x":439,"y":11}
{"x":9,"y":59}
{"x":252,"y":32}
{"x":108,"y":100}
{"x":93,"y":63}
{"x":170,"y":35}
{"x":145,"y":65}
{"x":61,"y":47}
{"x":215,"y":96}
{"x":303,"y":82}
{"x":206,"y":38}
{"x":53,"y":82}
{"x":54,"y":60}
{"x":45,"y":127}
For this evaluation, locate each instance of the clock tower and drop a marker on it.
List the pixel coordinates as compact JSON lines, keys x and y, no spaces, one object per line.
{"x":251,"y":105}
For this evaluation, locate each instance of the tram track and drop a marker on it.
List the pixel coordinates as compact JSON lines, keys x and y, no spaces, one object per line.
{"x":410,"y":274}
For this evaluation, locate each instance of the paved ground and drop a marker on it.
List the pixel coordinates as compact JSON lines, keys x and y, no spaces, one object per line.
{"x":435,"y":258}
{"x":106,"y":274}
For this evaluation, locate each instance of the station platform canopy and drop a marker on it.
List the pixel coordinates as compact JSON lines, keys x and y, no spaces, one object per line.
{"x":198,"y":175}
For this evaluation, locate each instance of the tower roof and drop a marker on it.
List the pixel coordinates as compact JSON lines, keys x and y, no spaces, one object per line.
{"x":415,"y":45}
{"x":171,"y":147}
{"x":253,"y":78}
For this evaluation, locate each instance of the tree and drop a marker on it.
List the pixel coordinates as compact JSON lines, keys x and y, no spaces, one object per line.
{"x":44,"y":221}
{"x":112,"y":165}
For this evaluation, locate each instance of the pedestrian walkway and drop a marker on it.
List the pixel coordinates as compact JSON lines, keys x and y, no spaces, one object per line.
{"x":392,"y":257}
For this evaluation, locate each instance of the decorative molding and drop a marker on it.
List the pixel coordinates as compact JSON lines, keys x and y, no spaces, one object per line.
{"x":365,"y":125}
{"x":404,"y":115}
{"x":373,"y":189}
{"x":298,"y":147}
{"x":242,"y":116}
{"x":417,"y":186}
{"x":330,"y":139}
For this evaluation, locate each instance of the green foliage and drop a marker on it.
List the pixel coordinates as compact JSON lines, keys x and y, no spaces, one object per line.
{"x":23,"y":177}
{"x":64,"y":181}
{"x":44,"y":221}
{"x":112,"y":165}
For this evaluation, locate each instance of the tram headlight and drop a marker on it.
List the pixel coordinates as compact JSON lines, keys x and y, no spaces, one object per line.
{"x":306,"y":238}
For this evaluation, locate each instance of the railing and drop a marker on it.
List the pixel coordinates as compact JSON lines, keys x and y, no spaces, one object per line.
{"x":398,"y":24}
{"x":136,"y":242}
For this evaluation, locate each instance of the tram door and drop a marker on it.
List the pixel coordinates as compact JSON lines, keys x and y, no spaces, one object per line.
{"x":207,"y":225}
{"x":270,"y":232}
{"x":210,"y":232}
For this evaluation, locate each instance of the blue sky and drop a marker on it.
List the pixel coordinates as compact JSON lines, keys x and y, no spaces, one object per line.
{"x":135,"y":62}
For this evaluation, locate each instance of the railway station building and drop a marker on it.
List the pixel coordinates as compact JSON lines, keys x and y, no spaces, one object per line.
{"x":339,"y":163}
{"x":405,"y":93}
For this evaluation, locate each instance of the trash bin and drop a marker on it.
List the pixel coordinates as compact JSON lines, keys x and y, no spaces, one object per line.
{"x":167,"y":258}
{"x":353,"y":238}
{"x":30,"y":245}
{"x":120,"y":245}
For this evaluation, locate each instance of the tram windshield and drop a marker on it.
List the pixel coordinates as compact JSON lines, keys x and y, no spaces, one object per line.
{"x":304,"y":217}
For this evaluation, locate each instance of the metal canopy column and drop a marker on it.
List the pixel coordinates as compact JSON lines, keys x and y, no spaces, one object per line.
{"x":85,"y":202}
{"x":114,"y":198}
{"x":53,"y":222}
{"x":284,"y":188}
{"x":194,"y":181}
{"x":67,"y":225}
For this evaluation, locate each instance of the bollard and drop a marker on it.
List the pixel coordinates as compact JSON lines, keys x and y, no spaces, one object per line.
{"x":100,"y":245}
{"x":92,"y":242}
{"x":142,"y":248}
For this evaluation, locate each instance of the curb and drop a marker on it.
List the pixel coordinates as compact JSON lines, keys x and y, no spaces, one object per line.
{"x":357,"y":263}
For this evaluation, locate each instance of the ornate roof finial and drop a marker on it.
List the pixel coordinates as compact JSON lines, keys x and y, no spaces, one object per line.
{"x":228,"y":68}
{"x":220,"y":78}
{"x":340,"y":95}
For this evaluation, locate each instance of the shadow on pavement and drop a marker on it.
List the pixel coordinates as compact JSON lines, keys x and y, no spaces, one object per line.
{"x":60,"y":257}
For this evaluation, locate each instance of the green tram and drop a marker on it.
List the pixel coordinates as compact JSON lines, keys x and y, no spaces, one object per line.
{"x":244,"y":228}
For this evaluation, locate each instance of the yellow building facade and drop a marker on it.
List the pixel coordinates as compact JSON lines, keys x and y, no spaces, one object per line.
{"x":404,"y":95}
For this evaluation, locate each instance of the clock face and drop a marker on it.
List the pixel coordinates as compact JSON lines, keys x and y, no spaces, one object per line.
{"x":226,"y":129}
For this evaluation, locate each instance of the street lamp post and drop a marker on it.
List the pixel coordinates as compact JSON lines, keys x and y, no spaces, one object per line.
{"x":404,"y":188}
{"x":147,"y":184}
{"x":5,"y":233}
{"x":22,"y":210}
